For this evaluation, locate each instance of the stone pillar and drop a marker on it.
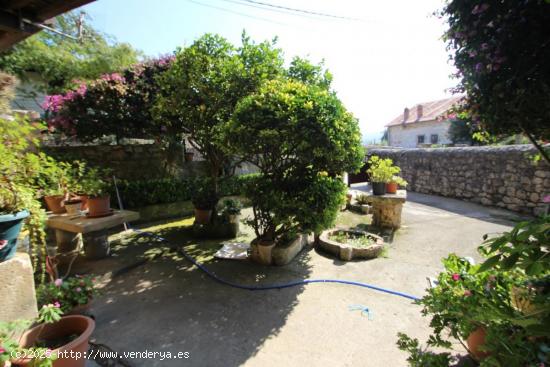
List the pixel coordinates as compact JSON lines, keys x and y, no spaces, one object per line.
{"x":96,"y":245}
{"x":17,"y":291}
{"x":387,"y":214}
{"x":386,"y":209}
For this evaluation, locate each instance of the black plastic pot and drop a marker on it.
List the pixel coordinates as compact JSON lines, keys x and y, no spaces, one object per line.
{"x":378,"y":188}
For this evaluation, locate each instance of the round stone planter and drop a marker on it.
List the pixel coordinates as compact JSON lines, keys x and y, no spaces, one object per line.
{"x":348,"y":252}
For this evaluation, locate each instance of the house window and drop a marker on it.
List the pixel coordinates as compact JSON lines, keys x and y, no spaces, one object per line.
{"x":434,"y":138}
{"x":420,"y":139}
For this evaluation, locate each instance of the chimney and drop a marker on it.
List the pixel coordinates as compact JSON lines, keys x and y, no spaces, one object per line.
{"x":405,"y":115}
{"x":419,"y":111}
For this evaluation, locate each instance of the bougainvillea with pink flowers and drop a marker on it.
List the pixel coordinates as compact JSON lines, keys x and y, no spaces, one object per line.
{"x":115,"y":105}
{"x":501,"y":50}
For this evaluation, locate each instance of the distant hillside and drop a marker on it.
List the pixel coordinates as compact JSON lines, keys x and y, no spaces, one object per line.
{"x":372,"y":138}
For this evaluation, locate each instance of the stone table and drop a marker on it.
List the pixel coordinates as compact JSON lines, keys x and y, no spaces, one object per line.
{"x":386,"y":209}
{"x":70,"y":230}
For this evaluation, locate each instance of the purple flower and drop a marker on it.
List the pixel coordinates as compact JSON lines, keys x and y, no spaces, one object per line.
{"x":484,"y":46}
{"x":479,"y":67}
{"x":57,"y":305}
{"x":58,"y":282}
{"x":472,"y":53}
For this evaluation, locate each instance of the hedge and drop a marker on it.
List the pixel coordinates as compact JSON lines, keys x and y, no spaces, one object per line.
{"x":140,"y":193}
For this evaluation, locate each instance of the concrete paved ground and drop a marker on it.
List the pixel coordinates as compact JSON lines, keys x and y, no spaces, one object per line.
{"x":167,"y":305}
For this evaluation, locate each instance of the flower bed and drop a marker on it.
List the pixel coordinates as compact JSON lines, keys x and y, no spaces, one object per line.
{"x":348,"y":244}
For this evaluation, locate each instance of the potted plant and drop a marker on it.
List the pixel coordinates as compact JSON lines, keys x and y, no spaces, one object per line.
{"x":62,"y":338}
{"x":99,"y":200}
{"x":78,"y":178}
{"x":472,"y":303}
{"x":74,"y":294}
{"x":18,"y":193}
{"x":12,"y":351}
{"x":363,"y":201}
{"x":13,"y":204}
{"x":204,"y":200}
{"x":52,"y":181}
{"x":231,"y":210}
{"x":394,"y":184}
{"x":73,"y":206}
{"x":381,"y":171}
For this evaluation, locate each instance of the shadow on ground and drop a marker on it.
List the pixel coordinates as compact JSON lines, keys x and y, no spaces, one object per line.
{"x":165,"y":304}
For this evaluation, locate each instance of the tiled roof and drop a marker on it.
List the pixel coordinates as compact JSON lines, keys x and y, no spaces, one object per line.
{"x":430,"y":111}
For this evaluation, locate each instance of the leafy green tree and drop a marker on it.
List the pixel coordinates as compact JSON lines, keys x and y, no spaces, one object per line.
{"x":60,"y":61}
{"x":301,"y":137}
{"x":501,"y":50}
{"x":198,"y":94}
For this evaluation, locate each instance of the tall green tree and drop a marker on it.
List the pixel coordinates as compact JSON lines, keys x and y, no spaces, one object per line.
{"x":60,"y":61}
{"x":501,"y":49}
{"x":199,"y":92}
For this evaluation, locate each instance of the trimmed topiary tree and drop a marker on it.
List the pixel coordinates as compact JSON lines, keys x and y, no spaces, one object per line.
{"x":301,"y":138}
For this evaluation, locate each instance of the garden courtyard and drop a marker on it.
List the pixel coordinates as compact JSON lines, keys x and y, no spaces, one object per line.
{"x":129,"y":190}
{"x":169,"y":305}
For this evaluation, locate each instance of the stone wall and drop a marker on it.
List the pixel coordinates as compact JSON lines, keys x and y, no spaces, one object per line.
{"x":137,"y":161}
{"x":140,"y":161}
{"x":502,"y":176}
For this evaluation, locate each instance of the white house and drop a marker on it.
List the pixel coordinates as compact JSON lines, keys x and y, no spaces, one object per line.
{"x":422,"y":125}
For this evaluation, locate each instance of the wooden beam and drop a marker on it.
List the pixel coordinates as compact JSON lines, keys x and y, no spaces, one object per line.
{"x":10,"y":22}
{"x":59,"y":7}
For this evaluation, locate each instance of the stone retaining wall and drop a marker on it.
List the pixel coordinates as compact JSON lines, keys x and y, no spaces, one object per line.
{"x":138,"y":161}
{"x":503,"y":176}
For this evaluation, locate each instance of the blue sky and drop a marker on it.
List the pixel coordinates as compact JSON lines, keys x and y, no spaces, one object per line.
{"x":393,"y":58}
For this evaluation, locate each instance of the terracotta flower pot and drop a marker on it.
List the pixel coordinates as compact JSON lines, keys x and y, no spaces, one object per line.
{"x":68,"y":325}
{"x":99,"y":205}
{"x":83,"y":198}
{"x":391,"y":188}
{"x":54,"y":203}
{"x":73,"y":207}
{"x":475,"y":340}
{"x":202,"y":216}
{"x":189,"y":156}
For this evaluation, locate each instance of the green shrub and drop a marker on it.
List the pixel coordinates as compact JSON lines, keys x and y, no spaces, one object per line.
{"x":139,"y":193}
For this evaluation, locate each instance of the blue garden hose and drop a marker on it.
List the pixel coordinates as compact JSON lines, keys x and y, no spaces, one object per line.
{"x":263,"y":287}
{"x":275,"y":286}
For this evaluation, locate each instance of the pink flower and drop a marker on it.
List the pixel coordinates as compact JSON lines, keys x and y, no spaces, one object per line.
{"x":2,"y":350}
{"x":78,"y":289}
{"x":546,"y":199}
{"x":58,"y":282}
{"x":57,"y":305}
{"x":467,"y":293}
{"x":3,"y":244}
{"x":48,"y":352}
{"x":456,"y":277}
